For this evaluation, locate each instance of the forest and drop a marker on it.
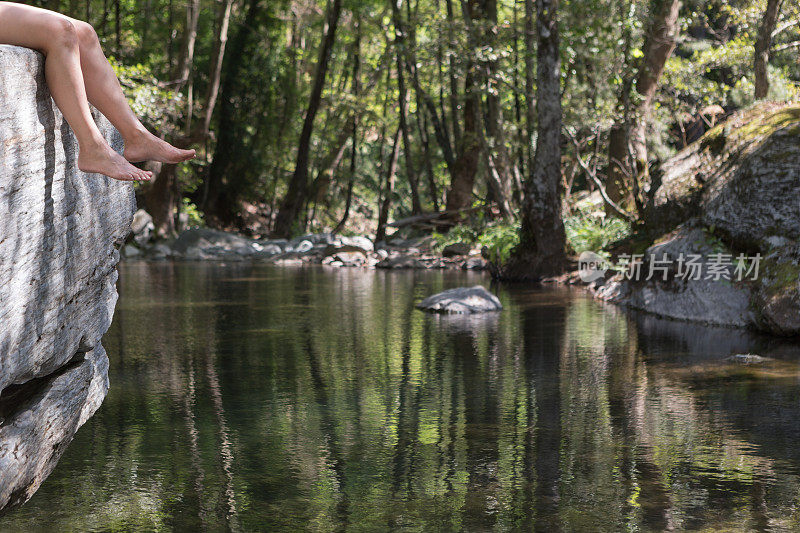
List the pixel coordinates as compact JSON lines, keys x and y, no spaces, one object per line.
{"x":494,"y":119}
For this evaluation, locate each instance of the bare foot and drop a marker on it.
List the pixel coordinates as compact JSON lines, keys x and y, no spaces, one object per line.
{"x":147,"y":147}
{"x":103,"y":160}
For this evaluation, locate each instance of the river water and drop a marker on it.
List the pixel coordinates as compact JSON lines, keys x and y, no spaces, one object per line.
{"x":255,"y":398}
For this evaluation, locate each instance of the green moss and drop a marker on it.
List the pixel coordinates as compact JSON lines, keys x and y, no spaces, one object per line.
{"x":780,"y":277}
{"x":769,"y":123}
{"x":757,"y":123}
{"x":714,"y":139}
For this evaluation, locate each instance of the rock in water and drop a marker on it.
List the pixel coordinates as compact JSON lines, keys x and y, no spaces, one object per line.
{"x":462,"y":300}
{"x":61,"y":231}
{"x":747,"y":359}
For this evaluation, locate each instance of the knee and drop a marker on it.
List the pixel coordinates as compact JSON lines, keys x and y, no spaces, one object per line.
{"x":64,"y":33}
{"x":86,"y":35}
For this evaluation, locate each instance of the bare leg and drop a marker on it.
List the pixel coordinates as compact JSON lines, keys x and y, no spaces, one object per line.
{"x":57,"y":38}
{"x":104,"y":92}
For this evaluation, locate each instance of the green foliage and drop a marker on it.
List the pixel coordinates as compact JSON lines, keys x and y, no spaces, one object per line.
{"x":463,"y":233}
{"x":195,"y":215}
{"x":587,"y":231}
{"x":155,"y":106}
{"x":496,"y":239}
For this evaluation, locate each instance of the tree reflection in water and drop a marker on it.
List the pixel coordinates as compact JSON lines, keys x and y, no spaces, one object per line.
{"x":253,"y":398}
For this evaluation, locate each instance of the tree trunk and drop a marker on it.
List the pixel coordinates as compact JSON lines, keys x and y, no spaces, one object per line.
{"x":763,"y":42}
{"x":189,"y":40}
{"x":452,"y":75}
{"x":402,"y":100}
{"x":617,"y":176}
{"x":388,"y":189}
{"x":354,"y":127}
{"x":160,"y":201}
{"x":465,"y":167}
{"x":660,"y":41}
{"x":117,"y":29}
{"x":530,"y":79}
{"x":218,"y":195}
{"x":161,"y":197}
{"x":542,"y":240}
{"x":298,"y":186}
{"x":497,"y":158}
{"x":223,"y":22}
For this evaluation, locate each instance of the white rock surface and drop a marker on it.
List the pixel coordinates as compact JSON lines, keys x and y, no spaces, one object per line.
{"x":462,"y":300}
{"x":61,"y":231}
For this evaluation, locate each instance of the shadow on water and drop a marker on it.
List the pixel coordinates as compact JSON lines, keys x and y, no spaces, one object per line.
{"x":252,"y":398}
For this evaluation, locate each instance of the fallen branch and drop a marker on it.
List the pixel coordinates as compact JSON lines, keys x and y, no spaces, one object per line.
{"x":431,"y":217}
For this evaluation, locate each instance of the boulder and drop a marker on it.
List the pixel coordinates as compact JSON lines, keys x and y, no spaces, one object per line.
{"x":360,"y":242}
{"x":776,"y":295}
{"x":206,"y":238}
{"x":456,"y":249}
{"x":475,"y":263}
{"x":303,"y":247}
{"x":142,"y":227}
{"x":400,"y":262}
{"x":462,"y":300}
{"x":61,"y":235}
{"x":314,"y":239}
{"x":741,"y":178}
{"x":735,"y":191}
{"x":719,"y":302}
{"x":130,"y":250}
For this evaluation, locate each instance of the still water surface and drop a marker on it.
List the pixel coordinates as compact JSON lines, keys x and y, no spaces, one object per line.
{"x":260,"y":399}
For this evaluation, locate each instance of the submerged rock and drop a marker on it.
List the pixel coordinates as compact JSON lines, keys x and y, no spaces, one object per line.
{"x":61,"y":233}
{"x":462,"y":300}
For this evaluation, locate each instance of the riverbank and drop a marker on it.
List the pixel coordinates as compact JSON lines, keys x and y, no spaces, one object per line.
{"x":204,"y":244}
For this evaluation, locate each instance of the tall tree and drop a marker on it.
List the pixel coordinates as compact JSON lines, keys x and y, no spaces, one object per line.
{"x":162,"y":196}
{"x":498,"y":161}
{"x":659,"y":43}
{"x":218,"y":195}
{"x":661,"y":36}
{"x":353,"y":126}
{"x":402,"y":101}
{"x":223,"y":22}
{"x":297,"y":193}
{"x":388,"y":189}
{"x":762,"y":46}
{"x":541,"y":249}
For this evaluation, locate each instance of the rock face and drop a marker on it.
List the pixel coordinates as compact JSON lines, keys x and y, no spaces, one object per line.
{"x":462,"y":300}
{"x":735,"y":191}
{"x":58,"y":254}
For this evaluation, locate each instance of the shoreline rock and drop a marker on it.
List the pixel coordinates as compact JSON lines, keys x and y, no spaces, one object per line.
{"x":205,"y":244}
{"x":734,"y":191}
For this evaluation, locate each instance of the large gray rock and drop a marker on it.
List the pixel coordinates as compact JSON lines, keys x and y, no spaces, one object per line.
{"x":711,"y":301}
{"x":462,"y":300}
{"x":206,"y":238}
{"x":742,"y":179}
{"x":736,"y":190}
{"x":61,"y":231}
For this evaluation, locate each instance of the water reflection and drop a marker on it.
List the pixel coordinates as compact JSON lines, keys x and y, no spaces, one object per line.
{"x":250,"y":398}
